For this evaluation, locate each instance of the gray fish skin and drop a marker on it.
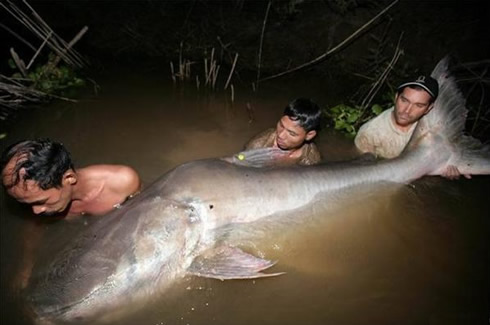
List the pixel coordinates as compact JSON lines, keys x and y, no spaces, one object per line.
{"x":124,"y":259}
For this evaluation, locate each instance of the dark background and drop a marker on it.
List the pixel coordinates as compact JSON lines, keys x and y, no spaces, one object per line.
{"x":149,"y":32}
{"x":144,"y":36}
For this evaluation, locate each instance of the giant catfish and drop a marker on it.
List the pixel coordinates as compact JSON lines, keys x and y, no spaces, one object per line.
{"x":170,"y":229}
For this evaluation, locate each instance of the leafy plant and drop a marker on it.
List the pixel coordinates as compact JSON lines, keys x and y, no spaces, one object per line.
{"x":347,"y":119}
{"x":48,"y":78}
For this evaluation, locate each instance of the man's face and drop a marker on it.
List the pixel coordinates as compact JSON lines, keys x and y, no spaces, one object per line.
{"x":290,"y":135}
{"x":411,"y":105}
{"x":52,"y":201}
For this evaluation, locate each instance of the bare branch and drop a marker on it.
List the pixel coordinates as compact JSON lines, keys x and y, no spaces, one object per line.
{"x":259,"y":59}
{"x":325,"y":55}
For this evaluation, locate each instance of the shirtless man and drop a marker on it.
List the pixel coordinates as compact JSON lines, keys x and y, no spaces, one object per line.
{"x":387,"y":134}
{"x":40,"y":173}
{"x":294,"y":133}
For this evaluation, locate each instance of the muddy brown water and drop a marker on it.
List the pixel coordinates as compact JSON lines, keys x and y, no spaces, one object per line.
{"x":410,"y":254}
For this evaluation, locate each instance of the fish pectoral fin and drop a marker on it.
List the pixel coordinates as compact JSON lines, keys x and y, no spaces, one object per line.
{"x":227,"y":263}
{"x":261,"y":157}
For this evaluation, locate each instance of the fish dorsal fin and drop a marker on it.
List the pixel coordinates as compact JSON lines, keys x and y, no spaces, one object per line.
{"x":227,"y":263}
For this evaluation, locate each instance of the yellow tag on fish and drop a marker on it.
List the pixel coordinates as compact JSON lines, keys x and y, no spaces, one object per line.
{"x":240,"y":156}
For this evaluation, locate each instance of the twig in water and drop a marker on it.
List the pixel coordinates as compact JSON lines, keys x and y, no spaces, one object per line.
{"x":18,"y":36}
{"x":181,"y":68}
{"x":68,"y":46}
{"x":172,"y":72}
{"x":215,"y":76}
{"x":259,"y":59}
{"x":41,"y":29}
{"x":188,"y":69}
{"x":38,"y":50}
{"x":231,"y":71}
{"x":18,"y":62}
{"x":250,"y":112}
{"x":335,"y":49}
{"x":377,"y":85}
{"x":205,"y":68}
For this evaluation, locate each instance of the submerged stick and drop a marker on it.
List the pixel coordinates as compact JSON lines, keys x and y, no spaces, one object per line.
{"x":205,"y":68}
{"x":68,"y":47}
{"x":172,"y":72}
{"x":18,"y":62}
{"x":231,"y":71}
{"x":38,"y":51}
{"x":17,"y":35}
{"x":335,"y":49}
{"x":187,"y":69}
{"x":181,"y":69}
{"x":215,"y":76}
{"x":41,"y":29}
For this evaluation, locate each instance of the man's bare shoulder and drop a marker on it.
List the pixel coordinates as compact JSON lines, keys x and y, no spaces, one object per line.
{"x":118,"y":178}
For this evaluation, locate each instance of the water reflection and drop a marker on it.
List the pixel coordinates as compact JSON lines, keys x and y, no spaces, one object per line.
{"x":400,"y":254}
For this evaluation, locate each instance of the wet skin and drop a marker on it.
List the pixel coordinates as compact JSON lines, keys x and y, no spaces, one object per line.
{"x":410,"y":106}
{"x":290,"y":135}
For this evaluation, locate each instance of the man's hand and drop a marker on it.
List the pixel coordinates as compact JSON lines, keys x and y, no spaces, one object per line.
{"x":21,"y":279}
{"x":452,"y":172}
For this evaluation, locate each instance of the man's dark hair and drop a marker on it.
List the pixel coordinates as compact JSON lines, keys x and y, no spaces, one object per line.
{"x":43,"y":160}
{"x":305,"y":112}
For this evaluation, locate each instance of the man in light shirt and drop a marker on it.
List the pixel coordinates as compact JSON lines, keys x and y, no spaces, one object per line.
{"x":387,"y":135}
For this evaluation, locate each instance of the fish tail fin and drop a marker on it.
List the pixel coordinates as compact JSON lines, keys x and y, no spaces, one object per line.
{"x":444,"y":125}
{"x":473,"y":158}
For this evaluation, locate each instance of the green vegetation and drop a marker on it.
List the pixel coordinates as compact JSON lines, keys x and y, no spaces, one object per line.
{"x":49,"y":79}
{"x":347,"y":119}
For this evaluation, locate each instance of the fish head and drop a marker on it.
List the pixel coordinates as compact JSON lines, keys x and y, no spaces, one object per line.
{"x":118,"y":265}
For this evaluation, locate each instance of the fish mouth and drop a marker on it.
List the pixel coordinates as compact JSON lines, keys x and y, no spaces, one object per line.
{"x":44,"y":315}
{"x":47,"y":310}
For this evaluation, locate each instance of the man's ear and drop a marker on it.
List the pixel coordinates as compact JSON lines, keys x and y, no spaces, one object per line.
{"x":22,"y":173}
{"x":69,"y":177}
{"x":310,"y":135}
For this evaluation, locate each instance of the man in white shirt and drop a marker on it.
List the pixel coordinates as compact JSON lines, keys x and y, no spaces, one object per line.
{"x":387,"y":134}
